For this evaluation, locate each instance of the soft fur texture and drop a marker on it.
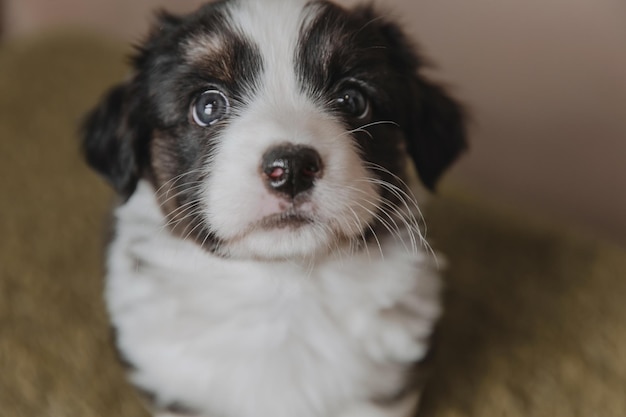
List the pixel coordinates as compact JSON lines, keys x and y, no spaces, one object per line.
{"x":269,"y":245}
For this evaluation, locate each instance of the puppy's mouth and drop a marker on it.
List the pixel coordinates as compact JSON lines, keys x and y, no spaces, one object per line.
{"x":288,"y":219}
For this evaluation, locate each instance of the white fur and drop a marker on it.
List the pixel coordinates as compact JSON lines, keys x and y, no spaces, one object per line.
{"x":250,"y":338}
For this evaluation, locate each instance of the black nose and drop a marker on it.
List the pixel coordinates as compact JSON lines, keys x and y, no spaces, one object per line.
{"x":291,"y":169}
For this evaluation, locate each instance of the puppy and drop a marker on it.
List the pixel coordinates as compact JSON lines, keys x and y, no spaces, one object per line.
{"x":267,"y":259}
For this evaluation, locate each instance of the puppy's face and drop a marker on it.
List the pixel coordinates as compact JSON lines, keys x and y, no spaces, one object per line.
{"x":275,"y":129}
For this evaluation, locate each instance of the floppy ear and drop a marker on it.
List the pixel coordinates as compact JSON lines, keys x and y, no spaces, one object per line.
{"x":115,"y":134}
{"x":434,"y":123}
{"x":436,"y":130}
{"x":111,"y":135}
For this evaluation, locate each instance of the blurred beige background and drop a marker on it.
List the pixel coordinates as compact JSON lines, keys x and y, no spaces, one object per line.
{"x":545,"y":81}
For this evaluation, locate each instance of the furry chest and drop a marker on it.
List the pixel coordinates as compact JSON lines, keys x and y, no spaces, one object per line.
{"x":317,"y":335}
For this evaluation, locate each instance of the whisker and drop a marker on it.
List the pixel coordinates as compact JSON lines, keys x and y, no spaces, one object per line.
{"x":369,"y":226}
{"x":365,"y":126}
{"x":401,"y":194}
{"x":392,"y":227}
{"x":380,"y":248}
{"x":200,"y":224}
{"x":190,"y":188}
{"x":359,"y":226}
{"x":206,"y":238}
{"x":379,"y":122}
{"x":410,"y":223}
{"x":408,"y":193}
{"x":403,"y":197}
{"x":173,"y":223}
{"x":178,"y":177}
{"x":408,"y":201}
{"x":181,"y":208}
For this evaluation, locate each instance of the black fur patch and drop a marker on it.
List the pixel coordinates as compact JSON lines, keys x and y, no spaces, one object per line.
{"x":112,"y":137}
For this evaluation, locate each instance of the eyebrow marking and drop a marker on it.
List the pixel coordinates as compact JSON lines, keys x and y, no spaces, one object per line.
{"x":200,"y":47}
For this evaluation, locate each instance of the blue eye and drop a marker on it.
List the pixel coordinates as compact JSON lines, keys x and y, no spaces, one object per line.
{"x":209,"y":108}
{"x":353,"y":102}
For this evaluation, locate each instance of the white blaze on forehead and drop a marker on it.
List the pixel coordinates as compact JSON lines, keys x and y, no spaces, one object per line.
{"x":274,"y":27}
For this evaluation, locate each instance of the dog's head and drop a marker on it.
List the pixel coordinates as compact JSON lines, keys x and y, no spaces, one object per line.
{"x":276,"y":129}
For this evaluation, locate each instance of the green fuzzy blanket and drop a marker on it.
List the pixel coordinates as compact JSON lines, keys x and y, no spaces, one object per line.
{"x":535,"y":321}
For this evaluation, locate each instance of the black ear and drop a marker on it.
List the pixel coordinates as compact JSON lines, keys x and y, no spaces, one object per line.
{"x":436,"y":130}
{"x":434,"y":123}
{"x":111,"y":135}
{"x":115,"y":134}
